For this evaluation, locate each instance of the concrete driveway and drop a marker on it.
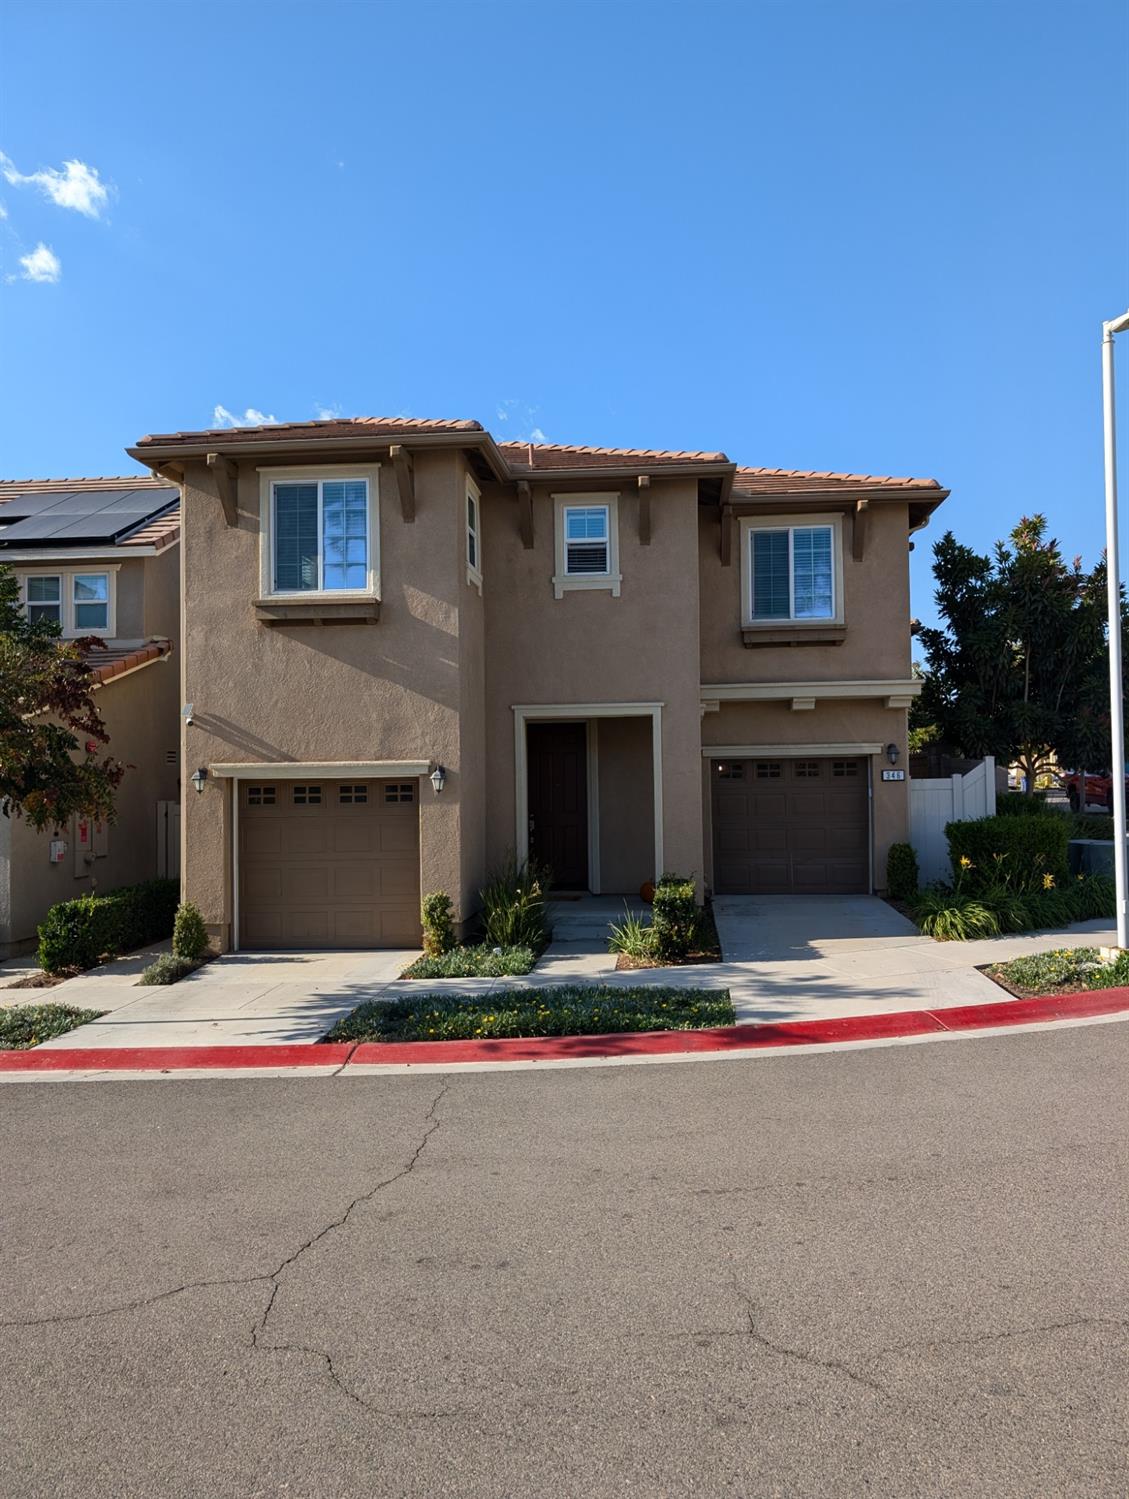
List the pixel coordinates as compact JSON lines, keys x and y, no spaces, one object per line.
{"x":805,"y":956}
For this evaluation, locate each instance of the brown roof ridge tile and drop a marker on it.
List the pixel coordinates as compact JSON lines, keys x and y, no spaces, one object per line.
{"x":397,"y":423}
{"x":840,"y":478}
{"x":118,"y":664}
{"x":571,"y":447}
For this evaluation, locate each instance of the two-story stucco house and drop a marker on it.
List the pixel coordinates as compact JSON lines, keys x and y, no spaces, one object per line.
{"x":99,"y":557}
{"x":410,"y":648}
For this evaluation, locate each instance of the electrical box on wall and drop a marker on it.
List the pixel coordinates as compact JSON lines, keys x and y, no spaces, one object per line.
{"x":58,"y":851}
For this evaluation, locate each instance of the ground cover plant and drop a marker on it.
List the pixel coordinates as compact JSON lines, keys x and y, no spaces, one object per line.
{"x":474,"y":961}
{"x":1066,"y":970}
{"x":24,"y":1026}
{"x":170,"y":969}
{"x":570,"y":1010}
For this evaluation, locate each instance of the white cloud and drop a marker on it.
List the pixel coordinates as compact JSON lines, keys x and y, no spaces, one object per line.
{"x":222,"y":417}
{"x":77,"y":186}
{"x":327,"y":413}
{"x":3,"y":212}
{"x":519,"y":419}
{"x":537,"y":436}
{"x":41,"y":265}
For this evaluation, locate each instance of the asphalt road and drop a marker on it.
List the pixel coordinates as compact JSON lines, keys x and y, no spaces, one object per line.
{"x":890,"y":1272}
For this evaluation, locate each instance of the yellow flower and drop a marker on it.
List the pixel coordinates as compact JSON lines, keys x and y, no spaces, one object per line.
{"x":965,"y":862}
{"x":1048,"y":882}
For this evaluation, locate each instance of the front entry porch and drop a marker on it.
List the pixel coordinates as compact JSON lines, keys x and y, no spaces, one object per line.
{"x":589,"y":795}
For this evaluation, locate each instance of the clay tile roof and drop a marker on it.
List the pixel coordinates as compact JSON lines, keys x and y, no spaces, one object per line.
{"x":754,"y":481}
{"x":110,"y":661}
{"x":158,"y":533}
{"x":9,"y":487}
{"x":525,"y":455}
{"x":351,"y":426}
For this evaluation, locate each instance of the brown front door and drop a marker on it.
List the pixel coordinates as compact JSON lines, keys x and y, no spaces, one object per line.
{"x":558,"y":801}
{"x":791,"y":827}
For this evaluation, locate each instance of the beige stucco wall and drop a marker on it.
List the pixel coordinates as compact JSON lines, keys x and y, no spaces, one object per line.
{"x":590,"y":647}
{"x":140,"y":712}
{"x":836,"y":722}
{"x":346,"y":692}
{"x":875,"y":601}
{"x":626,"y":786}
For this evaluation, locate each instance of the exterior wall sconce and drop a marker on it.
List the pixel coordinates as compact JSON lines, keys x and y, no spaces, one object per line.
{"x":186,"y":714}
{"x":892,"y":753}
{"x":199,"y":779}
{"x":438,"y":778}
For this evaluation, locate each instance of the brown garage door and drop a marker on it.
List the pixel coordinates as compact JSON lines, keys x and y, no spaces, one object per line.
{"x":790,"y":827}
{"x":329,"y":864}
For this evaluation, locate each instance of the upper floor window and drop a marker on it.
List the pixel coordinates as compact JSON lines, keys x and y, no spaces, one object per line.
{"x":79,"y":603}
{"x":587,"y":543}
{"x":319,"y":531}
{"x":792,"y":573}
{"x":473,"y":535}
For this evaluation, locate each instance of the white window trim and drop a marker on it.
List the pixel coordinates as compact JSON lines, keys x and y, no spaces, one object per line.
{"x":473,"y":571}
{"x":564,"y":581}
{"x":790,"y":523}
{"x":311,"y":474}
{"x":66,"y":576}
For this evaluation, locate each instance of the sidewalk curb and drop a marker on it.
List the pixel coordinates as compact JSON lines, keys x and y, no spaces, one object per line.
{"x":727,"y":1039}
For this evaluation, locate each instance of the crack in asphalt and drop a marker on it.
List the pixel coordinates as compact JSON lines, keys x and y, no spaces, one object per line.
{"x":796,"y":1355}
{"x":925,"y":1344}
{"x":271,"y":1277}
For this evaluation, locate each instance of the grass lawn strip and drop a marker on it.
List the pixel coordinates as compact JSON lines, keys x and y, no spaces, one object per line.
{"x":1066,"y":970}
{"x":25,"y":1026}
{"x":475,"y":961}
{"x":580,"y":1010}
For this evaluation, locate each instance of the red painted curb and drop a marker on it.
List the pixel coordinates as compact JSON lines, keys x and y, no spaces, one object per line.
{"x":173,"y":1058}
{"x":882,"y":1027}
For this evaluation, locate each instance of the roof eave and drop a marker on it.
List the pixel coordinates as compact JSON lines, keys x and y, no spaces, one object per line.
{"x":154,"y":455}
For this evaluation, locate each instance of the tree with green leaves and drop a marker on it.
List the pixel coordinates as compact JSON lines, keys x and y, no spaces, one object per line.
{"x":1020,"y":669}
{"x":51,"y":731}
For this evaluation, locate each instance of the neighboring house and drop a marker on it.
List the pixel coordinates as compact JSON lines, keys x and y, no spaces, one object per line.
{"x":410,"y":648}
{"x":100,"y":557}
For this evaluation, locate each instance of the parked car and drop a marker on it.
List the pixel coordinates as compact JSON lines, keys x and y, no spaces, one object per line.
{"x":1099,"y":789}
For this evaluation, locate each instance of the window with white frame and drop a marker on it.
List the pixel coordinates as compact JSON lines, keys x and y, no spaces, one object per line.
{"x":320,"y":536}
{"x":80,"y":603}
{"x":792,"y":573}
{"x":473,"y":535}
{"x":587,"y":543}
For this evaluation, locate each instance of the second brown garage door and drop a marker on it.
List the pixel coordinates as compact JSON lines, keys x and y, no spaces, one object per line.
{"x":791,"y":827}
{"x":328,"y":864}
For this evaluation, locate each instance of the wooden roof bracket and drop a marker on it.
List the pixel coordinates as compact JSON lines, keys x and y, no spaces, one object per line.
{"x":173,"y":472}
{"x":858,"y":537}
{"x":404,"y":469}
{"x":644,"y":483}
{"x":525,"y":513}
{"x":226,"y":475}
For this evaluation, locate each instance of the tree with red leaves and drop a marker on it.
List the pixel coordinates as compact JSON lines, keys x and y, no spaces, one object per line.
{"x":50,"y":728}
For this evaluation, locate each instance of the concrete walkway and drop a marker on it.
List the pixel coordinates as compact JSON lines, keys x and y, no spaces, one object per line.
{"x":783,"y":958}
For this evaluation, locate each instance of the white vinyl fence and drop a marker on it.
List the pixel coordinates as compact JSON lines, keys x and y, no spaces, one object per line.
{"x":933,"y":803}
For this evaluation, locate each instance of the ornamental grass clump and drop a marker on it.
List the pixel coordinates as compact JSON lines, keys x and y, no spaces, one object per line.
{"x":514,"y":909}
{"x":632,"y":937}
{"x":564,"y":1011}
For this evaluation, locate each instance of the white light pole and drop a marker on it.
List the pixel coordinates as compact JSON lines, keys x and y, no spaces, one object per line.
{"x":1116,"y":703}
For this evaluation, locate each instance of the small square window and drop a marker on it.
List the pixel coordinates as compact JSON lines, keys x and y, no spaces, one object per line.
{"x":769,"y":770}
{"x":844,"y":767}
{"x":402,"y":791}
{"x":352,"y":796}
{"x":731,"y":771}
{"x":807,"y":770}
{"x":307,"y":796}
{"x":586,"y":540}
{"x":261,"y":796}
{"x":45,"y":598}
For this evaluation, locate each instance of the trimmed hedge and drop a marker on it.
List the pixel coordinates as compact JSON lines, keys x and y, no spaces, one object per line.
{"x":80,"y":933}
{"x":901,"y":872}
{"x":1019,"y":804}
{"x":674,"y":916}
{"x":1014,"y":851}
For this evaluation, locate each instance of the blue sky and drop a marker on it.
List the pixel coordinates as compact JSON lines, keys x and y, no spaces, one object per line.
{"x":877,"y":237}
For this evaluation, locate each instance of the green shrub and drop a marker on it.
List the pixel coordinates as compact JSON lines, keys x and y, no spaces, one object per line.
{"x":438,"y":927}
{"x":1094,"y":895}
{"x":1015,"y":851}
{"x":80,"y":933}
{"x":23,"y":1026}
{"x":565,"y":1011}
{"x":477,"y":961}
{"x":514,"y":910}
{"x":901,"y":872}
{"x":1019,"y":804}
{"x":1065,"y":968}
{"x":951,"y":917}
{"x":1088,"y":825}
{"x":632,"y":936}
{"x":1012,"y":910}
{"x":189,"y":934}
{"x":674,"y":916}
{"x":169,"y":968}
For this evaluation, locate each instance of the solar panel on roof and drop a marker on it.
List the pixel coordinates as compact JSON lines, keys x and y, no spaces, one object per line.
{"x":86,"y":516}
